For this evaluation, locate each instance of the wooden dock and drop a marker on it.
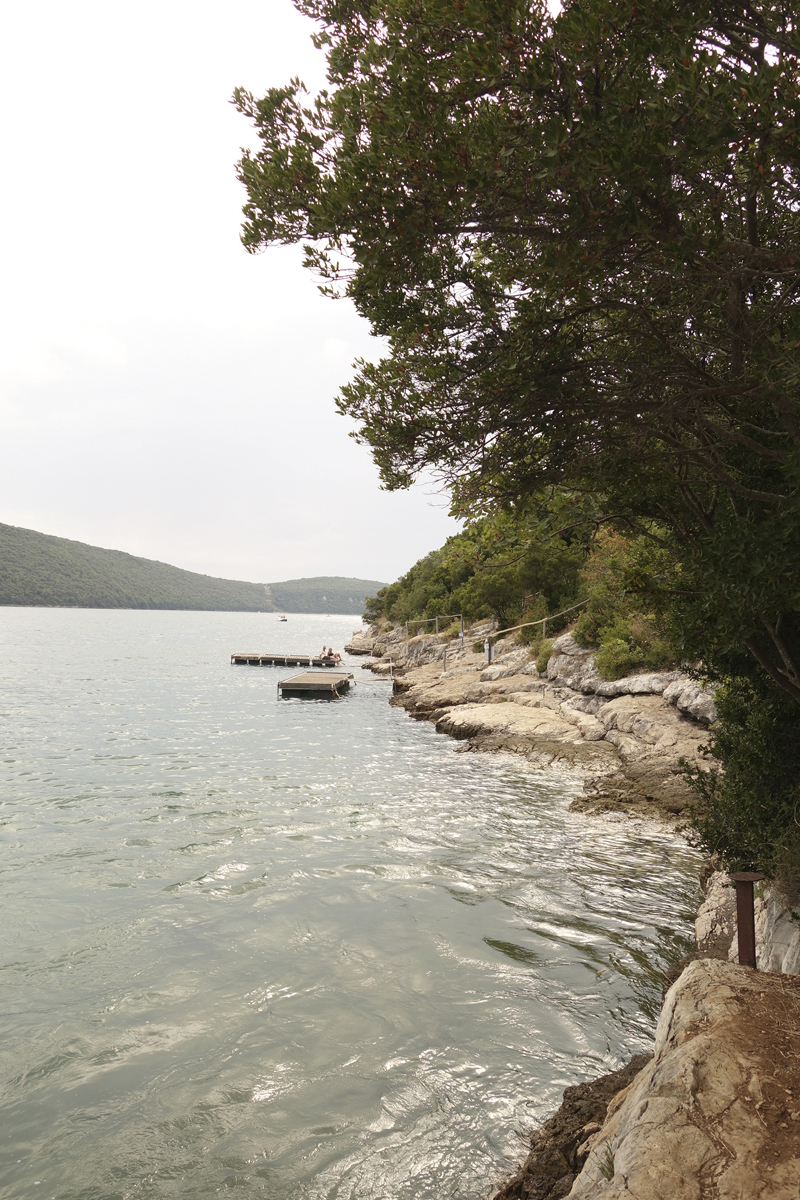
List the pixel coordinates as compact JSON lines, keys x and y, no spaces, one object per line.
{"x":282,"y":660}
{"x":315,"y":683}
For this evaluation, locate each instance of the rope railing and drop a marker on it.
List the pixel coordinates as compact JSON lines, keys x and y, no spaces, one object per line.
{"x":542,"y":621}
{"x":511,"y":629}
{"x":418,"y":622}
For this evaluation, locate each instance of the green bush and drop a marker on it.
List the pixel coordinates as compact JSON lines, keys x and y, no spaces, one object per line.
{"x":748,"y":815}
{"x":543,"y":657}
{"x":631,"y":642}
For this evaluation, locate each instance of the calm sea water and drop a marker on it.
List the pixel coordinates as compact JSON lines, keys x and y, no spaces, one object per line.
{"x":296,"y":948}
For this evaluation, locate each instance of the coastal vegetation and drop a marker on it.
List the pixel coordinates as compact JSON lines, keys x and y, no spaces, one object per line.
{"x":579,"y":235}
{"x":39,"y":569}
{"x":505,"y":568}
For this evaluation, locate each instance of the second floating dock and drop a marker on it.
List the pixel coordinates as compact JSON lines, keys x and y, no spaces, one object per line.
{"x":320,"y":683}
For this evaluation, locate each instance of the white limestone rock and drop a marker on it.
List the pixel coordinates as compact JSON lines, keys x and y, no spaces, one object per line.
{"x":572,"y":665}
{"x":692,"y":1125}
{"x":643,"y":726}
{"x":506,"y":665}
{"x":777,"y":934}
{"x":652,"y":684}
{"x":590,"y":729}
{"x":692,"y":699}
{"x":715,"y":923}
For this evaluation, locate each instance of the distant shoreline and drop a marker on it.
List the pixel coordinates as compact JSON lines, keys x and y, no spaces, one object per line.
{"x":170,"y":608}
{"x":39,"y":570}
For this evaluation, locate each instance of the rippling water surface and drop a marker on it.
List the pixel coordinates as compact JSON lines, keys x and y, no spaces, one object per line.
{"x":301,"y":948}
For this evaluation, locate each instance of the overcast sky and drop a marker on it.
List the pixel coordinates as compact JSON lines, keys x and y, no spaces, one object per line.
{"x":164,"y":392}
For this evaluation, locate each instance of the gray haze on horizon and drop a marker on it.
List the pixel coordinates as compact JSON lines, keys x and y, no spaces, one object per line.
{"x":162,"y":391}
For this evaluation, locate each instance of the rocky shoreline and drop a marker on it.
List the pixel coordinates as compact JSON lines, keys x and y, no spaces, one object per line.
{"x":714,"y":1112}
{"x":627,"y":738}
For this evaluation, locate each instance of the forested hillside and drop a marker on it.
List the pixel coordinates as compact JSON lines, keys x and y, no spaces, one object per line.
{"x":39,"y":569}
{"x":323,"y":593}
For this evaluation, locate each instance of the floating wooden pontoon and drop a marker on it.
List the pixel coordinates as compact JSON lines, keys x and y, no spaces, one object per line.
{"x":319,"y":683}
{"x":282,"y":660}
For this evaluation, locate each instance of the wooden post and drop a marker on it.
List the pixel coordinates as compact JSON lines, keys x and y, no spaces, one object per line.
{"x":437,"y":626}
{"x":745,"y":916}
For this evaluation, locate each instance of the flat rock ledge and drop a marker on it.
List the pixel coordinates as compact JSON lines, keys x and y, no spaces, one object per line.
{"x":714,"y":1114}
{"x":626,"y":737}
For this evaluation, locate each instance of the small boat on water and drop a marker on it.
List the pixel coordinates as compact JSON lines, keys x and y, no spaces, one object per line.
{"x":282,"y":617}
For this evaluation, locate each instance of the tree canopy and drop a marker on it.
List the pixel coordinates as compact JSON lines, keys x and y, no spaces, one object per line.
{"x":580,"y":235}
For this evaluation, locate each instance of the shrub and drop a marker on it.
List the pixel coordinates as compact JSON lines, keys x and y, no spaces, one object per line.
{"x":543,"y":657}
{"x":630,"y":642}
{"x":749,"y":814}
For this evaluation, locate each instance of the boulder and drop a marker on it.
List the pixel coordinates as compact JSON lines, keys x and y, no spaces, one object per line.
{"x":652,"y":684}
{"x":692,"y":699}
{"x":717,"y":1111}
{"x":572,"y":665}
{"x":507,"y":665}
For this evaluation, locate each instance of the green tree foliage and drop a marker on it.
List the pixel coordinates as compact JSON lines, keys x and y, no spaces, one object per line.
{"x":506,"y":566}
{"x":579,"y":235}
{"x":625,"y":580}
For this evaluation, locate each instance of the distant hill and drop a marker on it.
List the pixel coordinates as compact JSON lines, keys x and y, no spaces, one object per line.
{"x":53,"y":572}
{"x":323,"y":594}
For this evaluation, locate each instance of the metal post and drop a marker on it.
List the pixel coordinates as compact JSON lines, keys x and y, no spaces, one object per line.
{"x":437,"y":626}
{"x":544,"y":628}
{"x":444,"y":661}
{"x":487,"y":649}
{"x":745,"y":916}
{"x":461,"y":635}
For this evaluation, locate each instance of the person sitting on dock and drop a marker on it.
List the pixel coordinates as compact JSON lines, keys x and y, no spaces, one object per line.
{"x":336,"y":657}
